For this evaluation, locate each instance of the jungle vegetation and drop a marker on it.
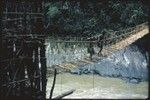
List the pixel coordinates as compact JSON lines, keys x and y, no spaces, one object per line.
{"x":88,"y":18}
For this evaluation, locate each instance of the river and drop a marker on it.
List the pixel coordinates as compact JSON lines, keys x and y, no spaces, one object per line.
{"x":97,"y":87}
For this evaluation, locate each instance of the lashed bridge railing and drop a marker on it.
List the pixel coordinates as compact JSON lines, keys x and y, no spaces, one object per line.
{"x":125,"y":38}
{"x":116,"y":36}
{"x":127,"y":32}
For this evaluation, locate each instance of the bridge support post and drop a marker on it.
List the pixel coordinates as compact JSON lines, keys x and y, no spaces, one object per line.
{"x":43,"y":68}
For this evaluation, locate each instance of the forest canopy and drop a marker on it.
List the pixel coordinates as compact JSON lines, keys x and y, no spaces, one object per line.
{"x":88,"y":18}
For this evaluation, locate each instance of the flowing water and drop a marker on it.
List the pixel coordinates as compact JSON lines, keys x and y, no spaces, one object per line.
{"x":95,"y":86}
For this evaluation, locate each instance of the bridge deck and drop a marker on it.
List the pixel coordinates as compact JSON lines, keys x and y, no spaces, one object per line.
{"x":125,"y":42}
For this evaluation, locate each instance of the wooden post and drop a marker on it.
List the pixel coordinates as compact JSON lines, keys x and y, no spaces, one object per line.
{"x":11,"y":62}
{"x":29,"y":62}
{"x":43,"y":68}
{"x":36,"y":64}
{"x":52,"y":89}
{"x":2,"y":49}
{"x":22,"y":69}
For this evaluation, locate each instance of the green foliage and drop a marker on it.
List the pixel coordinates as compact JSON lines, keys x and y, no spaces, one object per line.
{"x":52,"y":11}
{"x":90,"y":18}
{"x":133,"y":14}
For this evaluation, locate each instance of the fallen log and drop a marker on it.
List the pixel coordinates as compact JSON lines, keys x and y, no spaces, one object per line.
{"x":64,"y":94}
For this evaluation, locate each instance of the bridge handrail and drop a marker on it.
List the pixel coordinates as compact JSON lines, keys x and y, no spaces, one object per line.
{"x":127,"y":32}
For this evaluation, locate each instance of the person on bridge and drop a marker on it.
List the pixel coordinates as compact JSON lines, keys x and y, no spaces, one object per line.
{"x":91,"y":50}
{"x":101,"y":42}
